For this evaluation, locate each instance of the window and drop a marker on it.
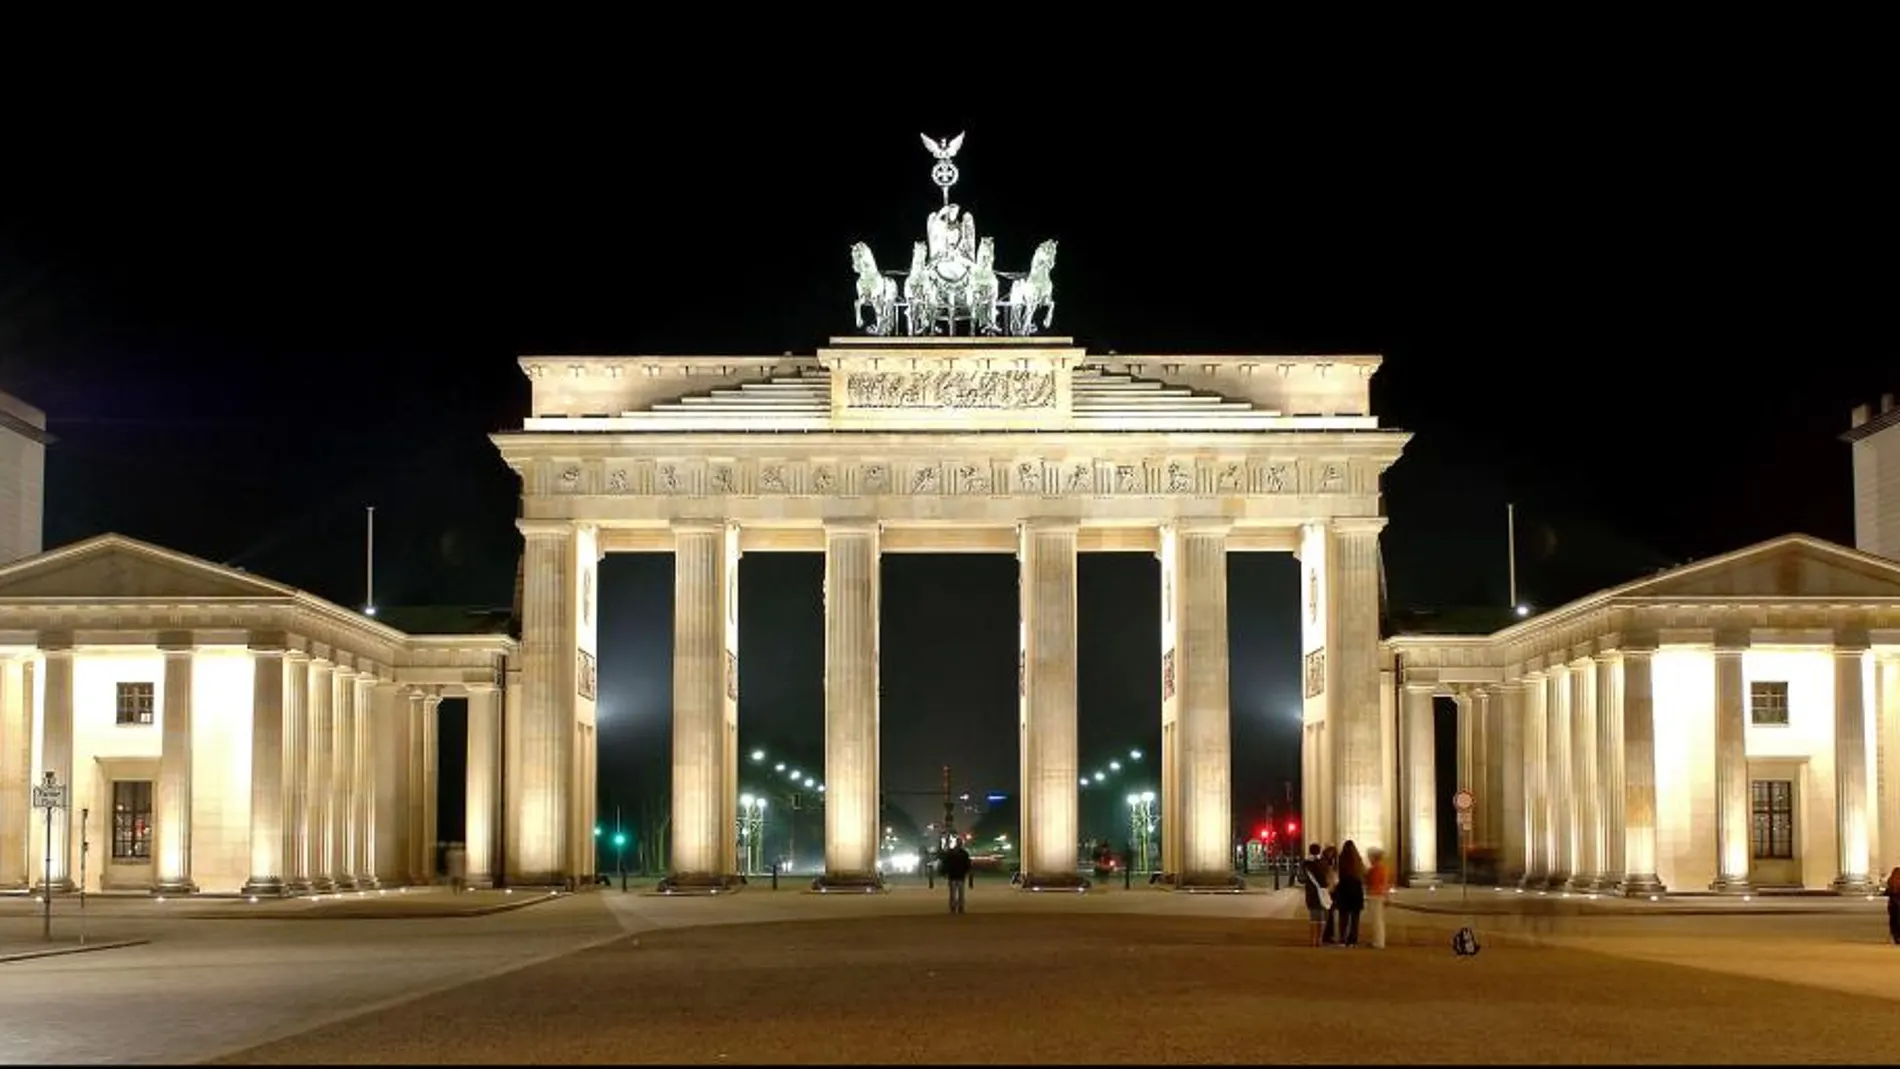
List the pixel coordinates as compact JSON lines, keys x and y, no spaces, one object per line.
{"x":1768,"y":703}
{"x":132,"y":820}
{"x":135,"y":703}
{"x":1771,"y":829}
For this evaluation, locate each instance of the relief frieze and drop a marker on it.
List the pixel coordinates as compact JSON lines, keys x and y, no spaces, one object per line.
{"x":940,"y":390}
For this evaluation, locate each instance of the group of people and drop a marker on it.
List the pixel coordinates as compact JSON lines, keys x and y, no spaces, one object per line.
{"x":1341,"y":885}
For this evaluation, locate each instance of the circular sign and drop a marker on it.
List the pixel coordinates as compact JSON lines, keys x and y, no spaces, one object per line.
{"x":1463,"y":801}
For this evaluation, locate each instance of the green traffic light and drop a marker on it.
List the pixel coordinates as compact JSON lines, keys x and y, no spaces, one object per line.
{"x":596,"y":831}
{"x":620,"y":838}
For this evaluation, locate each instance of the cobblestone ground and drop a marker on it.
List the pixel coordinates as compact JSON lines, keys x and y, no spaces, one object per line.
{"x":1048,"y":986}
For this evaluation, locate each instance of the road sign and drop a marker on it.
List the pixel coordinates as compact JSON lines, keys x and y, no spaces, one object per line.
{"x":47,"y":796}
{"x":1464,"y":820}
{"x":1463,"y":800}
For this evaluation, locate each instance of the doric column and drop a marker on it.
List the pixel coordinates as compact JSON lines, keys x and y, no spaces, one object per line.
{"x":1490,"y":759}
{"x":1048,"y":685}
{"x":431,"y":784}
{"x":297,"y":815}
{"x":56,"y":756}
{"x":320,"y":744}
{"x":851,"y":705}
{"x":1639,"y":770}
{"x":705,"y":681}
{"x":1886,"y":762}
{"x":267,"y":766}
{"x":342,"y":776}
{"x":1538,"y":862}
{"x":389,"y":726}
{"x":483,"y":823}
{"x":1194,"y":566}
{"x":1609,"y":743}
{"x":1560,"y":795}
{"x":1731,"y":766}
{"x":1588,"y":868}
{"x":1850,"y":761}
{"x":16,"y":761}
{"x":173,"y":830}
{"x":1421,"y":784}
{"x":1364,"y":788}
{"x":1512,"y":801}
{"x":363,"y":784}
{"x":540,"y":738}
{"x":1470,"y":724}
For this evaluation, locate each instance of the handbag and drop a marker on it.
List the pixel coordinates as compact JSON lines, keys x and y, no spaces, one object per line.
{"x":1325,"y":896}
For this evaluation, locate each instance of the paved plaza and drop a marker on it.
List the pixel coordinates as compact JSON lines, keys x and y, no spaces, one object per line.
{"x":1111,"y":976}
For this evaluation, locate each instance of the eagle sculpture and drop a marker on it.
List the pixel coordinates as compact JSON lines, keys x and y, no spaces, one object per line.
{"x":944,"y":149}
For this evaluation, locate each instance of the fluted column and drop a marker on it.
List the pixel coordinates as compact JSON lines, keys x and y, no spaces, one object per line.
{"x":1538,"y":861}
{"x":321,"y":754}
{"x":1560,"y":791}
{"x":1047,"y":591}
{"x":297,"y":815}
{"x":1609,"y":742}
{"x":705,"y":678}
{"x":1195,"y":553}
{"x":1421,"y":782}
{"x":851,"y":703}
{"x":1639,"y":771}
{"x":1887,"y":763}
{"x":431,"y":784}
{"x":342,"y":775}
{"x":1850,"y":762}
{"x":56,"y":756}
{"x":16,"y":762}
{"x":483,"y":823}
{"x":1731,"y":767}
{"x":415,"y":813}
{"x":389,"y":726}
{"x":1490,"y":759}
{"x":363,"y":784}
{"x":1470,"y":723}
{"x":267,"y":767}
{"x":1513,"y":809}
{"x":540,"y":737}
{"x":1587,"y":870}
{"x":1364,"y":786}
{"x":173,"y":830}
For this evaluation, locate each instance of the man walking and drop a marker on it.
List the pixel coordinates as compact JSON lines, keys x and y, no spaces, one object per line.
{"x":956,"y":871}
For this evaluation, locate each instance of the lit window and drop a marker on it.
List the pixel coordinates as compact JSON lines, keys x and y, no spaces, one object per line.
{"x":1768,"y":703}
{"x":132,"y":820}
{"x":135,"y":703}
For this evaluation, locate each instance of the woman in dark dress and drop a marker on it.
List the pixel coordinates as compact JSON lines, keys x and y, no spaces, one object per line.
{"x":1349,"y":898}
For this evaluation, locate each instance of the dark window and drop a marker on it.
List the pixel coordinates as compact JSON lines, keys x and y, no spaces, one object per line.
{"x":132,"y":820}
{"x":135,"y":703}
{"x":1771,"y":830}
{"x":1768,"y":703}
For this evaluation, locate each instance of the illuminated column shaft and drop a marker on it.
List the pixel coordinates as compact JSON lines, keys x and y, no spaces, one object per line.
{"x":1639,"y":772}
{"x":1421,"y":778}
{"x":342,"y":773}
{"x":1585,"y":786}
{"x":296,"y":770}
{"x":363,"y":783}
{"x":431,"y":766}
{"x":16,"y":762}
{"x":1887,"y":763}
{"x":1611,"y":815}
{"x":1491,"y":761}
{"x":705,"y":577}
{"x":322,"y":756}
{"x":484,"y":784}
{"x":1364,"y":789}
{"x":1537,"y":858}
{"x":1047,"y":589}
{"x":1850,"y":762}
{"x":56,"y":756}
{"x":540,"y":739}
{"x":1511,"y":781}
{"x":1470,"y":758}
{"x":173,"y":832}
{"x":851,"y":706}
{"x":267,"y":771}
{"x":389,"y":727}
{"x":1203,"y":749}
{"x":1731,"y":770}
{"x":1560,"y":793}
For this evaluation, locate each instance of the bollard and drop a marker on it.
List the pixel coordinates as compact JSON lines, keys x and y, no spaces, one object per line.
{"x":774,"y":875}
{"x":1276,"y":877}
{"x":1128,"y":876}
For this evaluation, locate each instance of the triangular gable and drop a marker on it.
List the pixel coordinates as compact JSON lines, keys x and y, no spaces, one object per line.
{"x":114,"y":566}
{"x":1792,"y":566}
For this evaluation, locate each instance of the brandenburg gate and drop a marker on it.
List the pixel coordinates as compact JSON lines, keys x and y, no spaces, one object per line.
{"x":955,"y":424}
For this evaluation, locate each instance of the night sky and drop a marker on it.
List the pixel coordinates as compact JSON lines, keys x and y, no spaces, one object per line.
{"x":1643,"y":321}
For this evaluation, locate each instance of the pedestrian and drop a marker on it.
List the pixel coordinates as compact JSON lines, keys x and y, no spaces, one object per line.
{"x":1349,"y":893}
{"x":1330,"y":858}
{"x":1315,"y":875}
{"x":1893,"y":905}
{"x":1378,"y":891}
{"x":956,"y":873}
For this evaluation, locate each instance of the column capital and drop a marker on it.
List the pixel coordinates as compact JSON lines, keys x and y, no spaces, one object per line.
{"x":176,"y":643}
{"x":1426,"y":686}
{"x":545,"y":528}
{"x":1053,"y":524}
{"x":700,"y":526}
{"x":1638,"y":643}
{"x":482,"y":688}
{"x":56,"y":645}
{"x":297,"y":656}
{"x":273,"y":642}
{"x":1205,"y":527}
{"x":1731,"y":641}
{"x":1850,"y":641}
{"x":853,"y":526}
{"x":1371,"y":525}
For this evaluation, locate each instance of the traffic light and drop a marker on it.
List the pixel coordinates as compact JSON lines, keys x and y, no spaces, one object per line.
{"x":1292,"y":828}
{"x":620,"y":838}
{"x":1263,"y":833}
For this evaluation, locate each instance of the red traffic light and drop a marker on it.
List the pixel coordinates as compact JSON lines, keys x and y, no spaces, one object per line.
{"x":1292,"y":827}
{"x":1263,"y":833}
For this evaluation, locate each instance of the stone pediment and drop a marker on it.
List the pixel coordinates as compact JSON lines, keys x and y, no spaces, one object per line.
{"x":1792,"y":566}
{"x":114,"y":566}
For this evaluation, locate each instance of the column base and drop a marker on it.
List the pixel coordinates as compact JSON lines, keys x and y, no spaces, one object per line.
{"x":367,"y":883}
{"x":297,"y":887}
{"x":1731,"y":885}
{"x":1423,"y":879}
{"x":1641,"y":885}
{"x":1851,"y":885}
{"x":848,"y":883}
{"x":175,"y":887}
{"x":264,"y":887}
{"x":1054,"y":881}
{"x":1210,"y":883}
{"x":62,"y":886}
{"x":699,"y":883}
{"x":1581,"y":885}
{"x":322,"y":884}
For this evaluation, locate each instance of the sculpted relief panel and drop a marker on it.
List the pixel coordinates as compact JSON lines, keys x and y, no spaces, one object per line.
{"x":1012,"y":390}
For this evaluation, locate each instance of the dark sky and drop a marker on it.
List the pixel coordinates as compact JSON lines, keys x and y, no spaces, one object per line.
{"x":1641,"y":313}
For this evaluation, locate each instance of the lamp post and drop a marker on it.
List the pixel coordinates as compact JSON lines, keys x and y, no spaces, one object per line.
{"x":49,"y":794}
{"x":620,"y":858}
{"x":1141,"y":823}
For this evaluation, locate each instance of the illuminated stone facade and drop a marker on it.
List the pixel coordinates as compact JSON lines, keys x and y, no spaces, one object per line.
{"x":23,"y":441}
{"x":1026,"y":446}
{"x":1730,"y":725}
{"x":250,"y":737}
